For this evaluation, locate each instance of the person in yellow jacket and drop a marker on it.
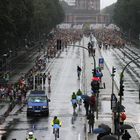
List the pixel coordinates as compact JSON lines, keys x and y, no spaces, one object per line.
{"x":31,"y":136}
{"x":56,"y":121}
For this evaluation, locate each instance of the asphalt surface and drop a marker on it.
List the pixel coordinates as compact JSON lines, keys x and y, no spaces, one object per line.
{"x":64,"y":82}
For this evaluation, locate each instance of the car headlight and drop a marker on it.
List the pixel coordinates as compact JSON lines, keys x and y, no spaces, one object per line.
{"x":29,"y":106}
{"x":44,"y":106}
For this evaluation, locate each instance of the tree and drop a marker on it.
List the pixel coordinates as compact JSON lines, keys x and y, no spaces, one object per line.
{"x":109,"y":10}
{"x":7,"y":28}
{"x":20,"y":19}
{"x":21,"y":13}
{"x":127,"y":16}
{"x":47,"y":14}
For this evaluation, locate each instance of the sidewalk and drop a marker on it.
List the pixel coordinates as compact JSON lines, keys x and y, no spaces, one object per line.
{"x":4,"y":105}
{"x":105,"y":113}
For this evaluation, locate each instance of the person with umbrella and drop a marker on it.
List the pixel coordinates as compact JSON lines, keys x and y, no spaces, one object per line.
{"x":99,"y":74}
{"x":122,"y":119}
{"x":107,"y":131}
{"x":126,"y":135}
{"x":92,"y":103}
{"x":109,"y":137}
{"x":3,"y":137}
{"x":101,"y":135}
{"x":91,"y":121}
{"x":86,"y":98}
{"x":86,"y":105}
{"x":95,"y":84}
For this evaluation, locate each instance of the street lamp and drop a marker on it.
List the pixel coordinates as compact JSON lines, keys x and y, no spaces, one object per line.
{"x":113,"y":74}
{"x":121,"y":92}
{"x":93,"y":56}
{"x":113,"y":101}
{"x":121,"y":78}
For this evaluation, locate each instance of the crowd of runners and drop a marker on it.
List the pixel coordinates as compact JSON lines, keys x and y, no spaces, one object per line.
{"x":109,"y":38}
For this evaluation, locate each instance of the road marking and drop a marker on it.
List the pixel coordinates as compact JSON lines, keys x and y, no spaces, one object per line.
{"x":79,"y":136}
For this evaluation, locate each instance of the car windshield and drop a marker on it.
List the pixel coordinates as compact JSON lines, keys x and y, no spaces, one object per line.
{"x":37,"y":99}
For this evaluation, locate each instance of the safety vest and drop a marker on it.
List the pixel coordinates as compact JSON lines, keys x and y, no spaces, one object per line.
{"x":57,"y":121}
{"x":31,"y":138}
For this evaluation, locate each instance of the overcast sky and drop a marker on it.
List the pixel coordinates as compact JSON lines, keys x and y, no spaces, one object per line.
{"x":105,"y":3}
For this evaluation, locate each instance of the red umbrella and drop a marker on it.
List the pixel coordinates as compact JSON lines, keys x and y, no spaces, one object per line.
{"x":95,"y":78}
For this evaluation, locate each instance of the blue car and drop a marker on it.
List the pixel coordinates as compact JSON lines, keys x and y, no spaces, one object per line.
{"x":37,"y":103}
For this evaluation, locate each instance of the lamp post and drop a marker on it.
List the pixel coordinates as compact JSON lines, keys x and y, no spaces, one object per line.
{"x":121,"y":92}
{"x":93,"y":56}
{"x":121,"y":78}
{"x":113,"y":101}
{"x":113,"y":74}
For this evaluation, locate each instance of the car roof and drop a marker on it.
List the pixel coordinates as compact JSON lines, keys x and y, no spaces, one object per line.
{"x":37,"y":93}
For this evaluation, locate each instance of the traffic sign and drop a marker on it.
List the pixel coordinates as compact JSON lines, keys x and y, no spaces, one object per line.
{"x":101,"y":63}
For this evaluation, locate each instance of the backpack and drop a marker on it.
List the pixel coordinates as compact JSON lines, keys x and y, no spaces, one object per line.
{"x":123,"y":116}
{"x":78,"y":68}
{"x":91,"y":118}
{"x":95,"y":85}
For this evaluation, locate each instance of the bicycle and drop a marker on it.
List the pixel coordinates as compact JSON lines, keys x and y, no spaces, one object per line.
{"x":56,"y":130}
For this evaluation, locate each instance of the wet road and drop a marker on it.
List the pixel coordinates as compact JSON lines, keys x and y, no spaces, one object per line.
{"x":64,"y":82}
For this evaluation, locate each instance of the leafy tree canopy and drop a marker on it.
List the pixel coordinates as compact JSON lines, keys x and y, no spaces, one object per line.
{"x":127,"y":16}
{"x":20,"y":19}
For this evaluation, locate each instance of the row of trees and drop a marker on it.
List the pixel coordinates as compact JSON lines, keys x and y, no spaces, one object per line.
{"x":127,"y":16}
{"x":30,"y":19}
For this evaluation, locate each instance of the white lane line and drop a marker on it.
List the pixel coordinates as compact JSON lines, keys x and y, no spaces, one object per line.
{"x":79,"y":136}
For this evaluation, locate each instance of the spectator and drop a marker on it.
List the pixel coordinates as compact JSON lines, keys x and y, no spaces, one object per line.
{"x":91,"y":121}
{"x":126,"y":136}
{"x":3,"y":137}
{"x":86,"y":105}
{"x":92,"y":103}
